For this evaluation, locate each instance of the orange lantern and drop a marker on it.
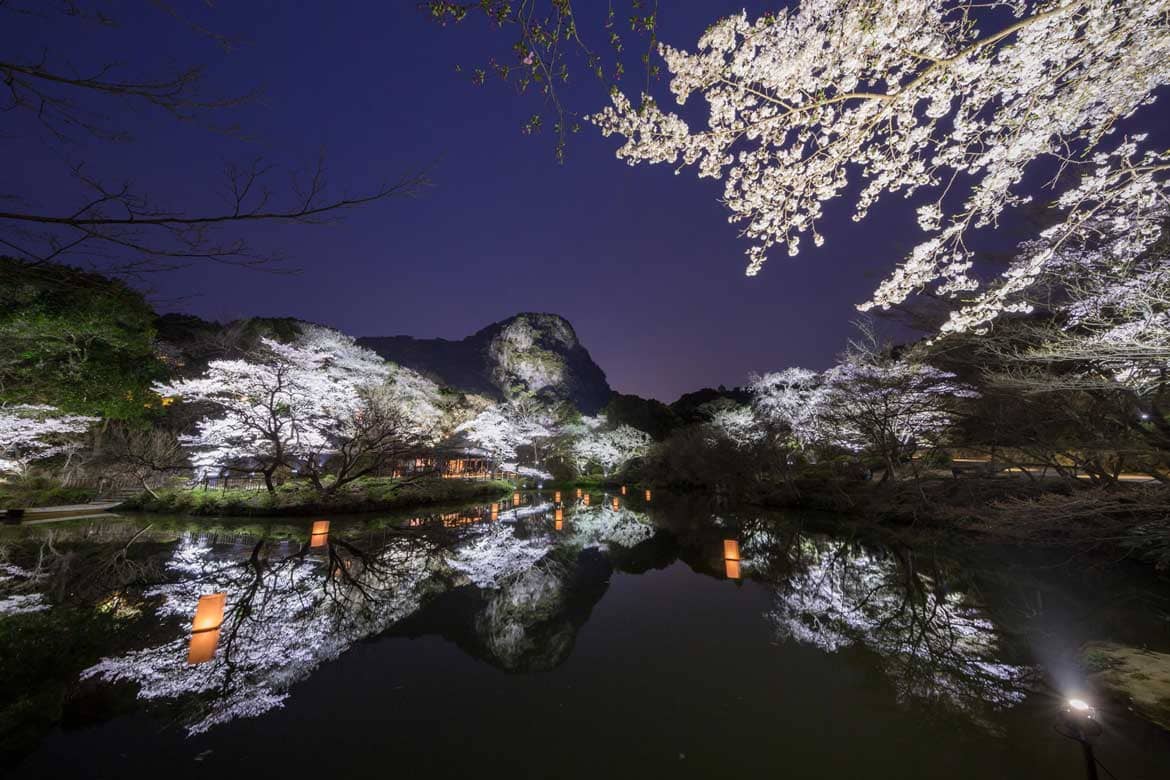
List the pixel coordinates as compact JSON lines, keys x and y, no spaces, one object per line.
{"x":559,"y":517}
{"x":623,"y":490}
{"x":205,"y":628}
{"x":585,"y":500}
{"x":647,"y":496}
{"x":320,"y":533}
{"x":515,"y":499}
{"x":616,"y":503}
{"x":731,"y":559}
{"x":578,"y":492}
{"x":557,"y":497}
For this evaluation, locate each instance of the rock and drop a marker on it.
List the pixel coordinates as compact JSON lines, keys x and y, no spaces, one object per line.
{"x":1140,"y":676}
{"x":528,"y":354}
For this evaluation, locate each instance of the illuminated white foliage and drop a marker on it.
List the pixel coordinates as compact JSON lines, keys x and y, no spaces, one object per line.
{"x":793,"y":399}
{"x":288,"y":404}
{"x":737,"y":424}
{"x":31,"y":432}
{"x":889,"y":407}
{"x":609,"y":449}
{"x":502,"y":429}
{"x":935,"y":644}
{"x":951,"y":102}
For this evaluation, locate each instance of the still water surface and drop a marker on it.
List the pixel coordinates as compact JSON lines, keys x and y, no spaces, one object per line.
{"x":632,"y":639}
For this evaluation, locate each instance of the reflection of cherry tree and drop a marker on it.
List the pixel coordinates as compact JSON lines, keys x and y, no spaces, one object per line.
{"x":600,"y":526}
{"x":286,"y":616}
{"x":291,"y":608}
{"x":31,"y":432}
{"x":935,"y":644}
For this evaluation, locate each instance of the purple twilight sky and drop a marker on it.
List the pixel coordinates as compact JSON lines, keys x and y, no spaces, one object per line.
{"x":642,"y":262}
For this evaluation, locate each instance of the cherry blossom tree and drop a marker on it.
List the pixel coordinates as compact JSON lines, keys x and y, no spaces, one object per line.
{"x":736,"y":423}
{"x":31,"y":432}
{"x":501,"y":430}
{"x":952,"y":102}
{"x":609,"y":449}
{"x":791,"y":401}
{"x":888,"y":408}
{"x":290,"y":405}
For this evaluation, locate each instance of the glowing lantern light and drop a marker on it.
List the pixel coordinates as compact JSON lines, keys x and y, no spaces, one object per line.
{"x":731,"y":559}
{"x":320,"y":533}
{"x":616,"y":503}
{"x":205,"y":628}
{"x":515,"y":499}
{"x":623,"y":490}
{"x":557,"y":497}
{"x":559,"y":517}
{"x":585,"y":500}
{"x":647,"y":496}
{"x":578,"y":492}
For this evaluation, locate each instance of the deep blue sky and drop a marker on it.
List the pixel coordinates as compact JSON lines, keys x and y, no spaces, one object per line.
{"x":642,"y":262}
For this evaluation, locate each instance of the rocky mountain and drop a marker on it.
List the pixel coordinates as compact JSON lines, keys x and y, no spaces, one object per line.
{"x":528,"y":354}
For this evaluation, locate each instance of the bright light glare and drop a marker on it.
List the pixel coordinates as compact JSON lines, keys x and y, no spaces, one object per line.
{"x":1080,"y":705}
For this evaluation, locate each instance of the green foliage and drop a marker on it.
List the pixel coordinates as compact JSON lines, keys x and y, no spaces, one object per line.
{"x":370,"y":494}
{"x":40,"y":491}
{"x":76,"y":340}
{"x":645,"y":414}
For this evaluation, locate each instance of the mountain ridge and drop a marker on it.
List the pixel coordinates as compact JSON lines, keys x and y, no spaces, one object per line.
{"x":527,"y":354}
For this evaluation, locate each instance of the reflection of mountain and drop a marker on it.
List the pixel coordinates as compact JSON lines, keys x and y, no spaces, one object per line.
{"x":527,"y":353}
{"x":527,"y":624}
{"x":513,"y":593}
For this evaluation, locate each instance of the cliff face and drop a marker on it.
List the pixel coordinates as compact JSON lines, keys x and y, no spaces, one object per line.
{"x":528,"y":354}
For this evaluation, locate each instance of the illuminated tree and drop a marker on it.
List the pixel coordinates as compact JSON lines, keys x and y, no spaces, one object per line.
{"x":792,"y":401}
{"x":291,"y":405}
{"x":888,"y":408}
{"x":30,"y":432}
{"x":953,"y":97}
{"x":609,"y":449}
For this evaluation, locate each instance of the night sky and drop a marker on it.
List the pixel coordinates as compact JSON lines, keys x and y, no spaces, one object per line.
{"x":642,"y":262}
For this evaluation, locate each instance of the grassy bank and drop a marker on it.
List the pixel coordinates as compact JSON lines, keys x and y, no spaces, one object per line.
{"x":299,"y":498}
{"x":1122,"y":521}
{"x":41,"y":492}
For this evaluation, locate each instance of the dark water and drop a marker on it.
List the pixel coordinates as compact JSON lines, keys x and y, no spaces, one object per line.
{"x":611,"y":643}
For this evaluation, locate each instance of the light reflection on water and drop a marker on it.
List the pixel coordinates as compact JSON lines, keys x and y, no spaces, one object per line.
{"x":516,"y":585}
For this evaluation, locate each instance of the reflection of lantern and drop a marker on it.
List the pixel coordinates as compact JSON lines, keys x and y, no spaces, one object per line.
{"x":515,"y":499}
{"x":585,"y":500}
{"x":205,"y":628}
{"x":647,"y":496}
{"x":616,"y":503}
{"x":320,"y":533}
{"x":623,"y":490}
{"x":731,"y":558}
{"x":559,"y":517}
{"x":557,"y":497}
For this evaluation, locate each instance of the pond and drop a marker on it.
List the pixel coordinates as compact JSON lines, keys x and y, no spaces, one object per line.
{"x":605,"y":635}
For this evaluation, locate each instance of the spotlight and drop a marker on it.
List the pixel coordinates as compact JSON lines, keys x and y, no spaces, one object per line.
{"x":1080,"y":724}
